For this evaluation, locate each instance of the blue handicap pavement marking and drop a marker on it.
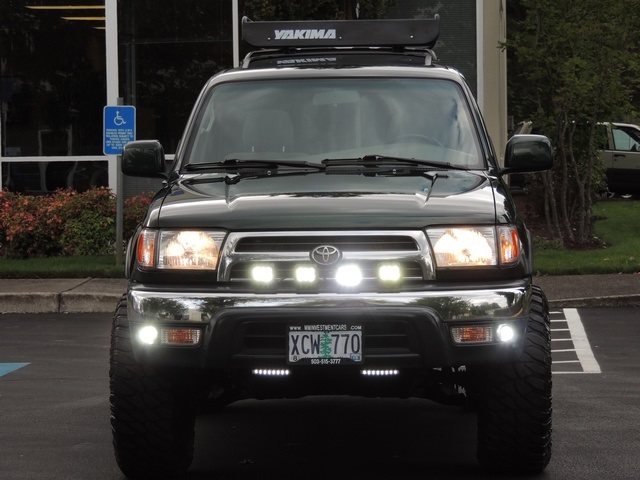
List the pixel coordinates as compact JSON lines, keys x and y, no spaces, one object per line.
{"x":10,"y":367}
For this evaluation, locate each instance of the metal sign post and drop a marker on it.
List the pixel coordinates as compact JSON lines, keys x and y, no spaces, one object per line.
{"x":119,"y":129}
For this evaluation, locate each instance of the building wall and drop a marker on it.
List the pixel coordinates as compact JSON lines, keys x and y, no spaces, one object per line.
{"x":51,"y":105}
{"x":492,"y":65}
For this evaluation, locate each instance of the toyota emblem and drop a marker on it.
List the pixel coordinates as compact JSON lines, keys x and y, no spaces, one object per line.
{"x":325,"y":255}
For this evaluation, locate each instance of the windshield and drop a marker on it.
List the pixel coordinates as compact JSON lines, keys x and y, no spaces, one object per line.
{"x":318,"y":119}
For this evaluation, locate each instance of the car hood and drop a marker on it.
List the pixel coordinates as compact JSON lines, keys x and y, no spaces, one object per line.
{"x":326,"y":201}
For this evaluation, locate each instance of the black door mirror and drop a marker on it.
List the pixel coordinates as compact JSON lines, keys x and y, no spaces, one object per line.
{"x":527,"y":153}
{"x":143,"y":158}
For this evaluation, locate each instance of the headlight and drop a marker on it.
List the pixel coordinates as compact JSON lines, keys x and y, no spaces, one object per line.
{"x":474,"y":246}
{"x":179,"y":250}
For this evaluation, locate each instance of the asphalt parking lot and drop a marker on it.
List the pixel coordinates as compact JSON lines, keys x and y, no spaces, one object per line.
{"x":54,"y":412}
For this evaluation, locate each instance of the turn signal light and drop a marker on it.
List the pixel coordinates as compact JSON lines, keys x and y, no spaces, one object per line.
{"x":472,"y":334}
{"x":181,"y":336}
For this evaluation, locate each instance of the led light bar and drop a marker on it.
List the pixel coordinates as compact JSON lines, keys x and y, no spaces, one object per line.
{"x":380,"y":373}
{"x":271,"y":372}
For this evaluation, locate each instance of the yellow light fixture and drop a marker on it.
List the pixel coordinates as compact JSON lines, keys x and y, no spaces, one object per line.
{"x":65,"y":7}
{"x":85,"y":19}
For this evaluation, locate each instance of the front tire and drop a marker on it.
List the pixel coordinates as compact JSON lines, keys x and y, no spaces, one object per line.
{"x":152,"y":410}
{"x":514,"y":402}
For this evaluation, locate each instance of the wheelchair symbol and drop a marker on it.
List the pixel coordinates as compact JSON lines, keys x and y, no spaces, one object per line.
{"x":118,"y":120}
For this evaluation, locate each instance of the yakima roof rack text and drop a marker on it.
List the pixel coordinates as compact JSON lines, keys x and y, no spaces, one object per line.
{"x":342,"y":33}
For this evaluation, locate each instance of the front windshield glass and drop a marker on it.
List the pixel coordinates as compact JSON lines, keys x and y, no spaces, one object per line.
{"x":316,"y":119}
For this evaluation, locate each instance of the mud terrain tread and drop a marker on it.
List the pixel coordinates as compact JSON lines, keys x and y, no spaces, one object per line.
{"x":514,"y":409}
{"x":152,"y":417}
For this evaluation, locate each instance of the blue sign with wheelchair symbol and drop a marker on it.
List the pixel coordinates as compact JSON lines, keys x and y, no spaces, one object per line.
{"x":119,"y":128}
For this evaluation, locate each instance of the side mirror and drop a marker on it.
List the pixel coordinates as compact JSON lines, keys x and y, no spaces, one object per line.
{"x":527,"y":153}
{"x":143,"y":158}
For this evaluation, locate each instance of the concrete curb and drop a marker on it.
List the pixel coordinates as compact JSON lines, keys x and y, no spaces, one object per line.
{"x":57,"y":302}
{"x":82,"y":295}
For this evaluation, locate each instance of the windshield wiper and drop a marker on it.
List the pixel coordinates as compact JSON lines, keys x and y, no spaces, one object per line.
{"x":234,"y":163}
{"x":385,"y":161}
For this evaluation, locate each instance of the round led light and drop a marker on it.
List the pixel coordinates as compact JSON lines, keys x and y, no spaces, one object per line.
{"x":506,"y":333}
{"x":349,"y":276}
{"x":148,"y":335}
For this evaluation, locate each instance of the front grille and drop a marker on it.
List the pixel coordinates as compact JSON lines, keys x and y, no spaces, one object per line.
{"x":285,"y":251}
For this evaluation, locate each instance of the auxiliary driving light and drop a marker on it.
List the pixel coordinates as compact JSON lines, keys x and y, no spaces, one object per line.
{"x":262,"y":274}
{"x":349,"y":276}
{"x":148,"y":335}
{"x":305,"y":274}
{"x":389,"y":273}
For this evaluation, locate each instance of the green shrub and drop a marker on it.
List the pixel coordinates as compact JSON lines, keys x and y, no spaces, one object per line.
{"x":64,"y":223}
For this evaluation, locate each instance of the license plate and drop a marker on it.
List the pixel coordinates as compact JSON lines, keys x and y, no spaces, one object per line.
{"x":333,"y":344}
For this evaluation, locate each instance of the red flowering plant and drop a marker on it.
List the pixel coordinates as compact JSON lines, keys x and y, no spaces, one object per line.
{"x":134,"y":211}
{"x":23,"y":227}
{"x":65,"y":222}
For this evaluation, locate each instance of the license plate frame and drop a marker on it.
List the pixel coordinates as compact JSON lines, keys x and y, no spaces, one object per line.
{"x":325,"y":344}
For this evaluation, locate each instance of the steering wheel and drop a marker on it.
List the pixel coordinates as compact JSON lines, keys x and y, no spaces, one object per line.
{"x":419,"y":137}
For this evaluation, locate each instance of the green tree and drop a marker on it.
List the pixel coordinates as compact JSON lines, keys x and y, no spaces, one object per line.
{"x":572,"y":64}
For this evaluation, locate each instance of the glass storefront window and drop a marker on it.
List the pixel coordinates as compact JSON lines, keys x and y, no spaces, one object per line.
{"x":52,"y":67}
{"x":167,"y":51}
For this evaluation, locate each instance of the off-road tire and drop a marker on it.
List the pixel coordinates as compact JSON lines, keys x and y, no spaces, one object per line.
{"x":514,"y":402}
{"x":152,"y":410}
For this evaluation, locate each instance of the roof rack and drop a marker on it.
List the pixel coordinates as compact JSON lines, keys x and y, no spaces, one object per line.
{"x":338,"y":57}
{"x":342,"y":33}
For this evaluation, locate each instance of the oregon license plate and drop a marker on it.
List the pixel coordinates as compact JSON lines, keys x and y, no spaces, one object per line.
{"x":327,"y":344}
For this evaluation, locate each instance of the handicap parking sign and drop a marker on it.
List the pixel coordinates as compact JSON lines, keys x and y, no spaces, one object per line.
{"x":119,"y":128}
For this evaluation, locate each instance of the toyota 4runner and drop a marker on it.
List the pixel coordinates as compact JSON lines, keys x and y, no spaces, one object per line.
{"x":335,"y":222}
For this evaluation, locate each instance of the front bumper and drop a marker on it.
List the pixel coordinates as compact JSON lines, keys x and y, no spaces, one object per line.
{"x":407,"y":330}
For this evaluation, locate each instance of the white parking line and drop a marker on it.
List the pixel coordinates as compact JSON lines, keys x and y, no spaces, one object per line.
{"x":580,"y":342}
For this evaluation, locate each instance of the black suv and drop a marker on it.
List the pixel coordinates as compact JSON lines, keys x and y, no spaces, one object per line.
{"x":335,"y":222}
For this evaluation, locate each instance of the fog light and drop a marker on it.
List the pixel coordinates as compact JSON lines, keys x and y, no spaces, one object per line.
{"x":472,"y":334}
{"x":349,"y":276}
{"x":180,"y":336}
{"x":305,"y":274}
{"x":506,"y":333}
{"x":262,"y":274}
{"x":389,"y":273}
{"x":148,"y":335}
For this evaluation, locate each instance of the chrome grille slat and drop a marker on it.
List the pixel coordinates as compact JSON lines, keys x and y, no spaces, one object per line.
{"x":344,"y":243}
